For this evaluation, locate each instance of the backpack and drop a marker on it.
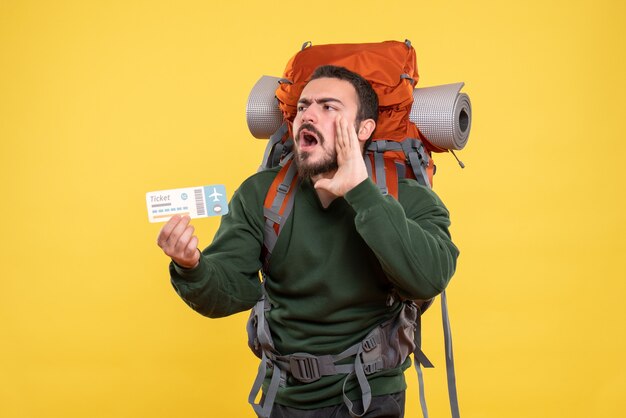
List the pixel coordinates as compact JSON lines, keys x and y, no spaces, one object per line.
{"x":398,"y":150}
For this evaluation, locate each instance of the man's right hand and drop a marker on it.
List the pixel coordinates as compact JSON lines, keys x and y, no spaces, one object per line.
{"x":177,"y":240}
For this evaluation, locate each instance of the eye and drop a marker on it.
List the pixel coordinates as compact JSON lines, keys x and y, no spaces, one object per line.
{"x":328,"y":107}
{"x":301,"y":108}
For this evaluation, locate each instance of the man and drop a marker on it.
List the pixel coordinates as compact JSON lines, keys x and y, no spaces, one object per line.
{"x":343,"y":252}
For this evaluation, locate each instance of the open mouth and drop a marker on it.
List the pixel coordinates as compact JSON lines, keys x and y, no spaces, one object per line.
{"x":307,"y":139}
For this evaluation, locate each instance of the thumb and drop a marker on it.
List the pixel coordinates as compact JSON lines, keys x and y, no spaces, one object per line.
{"x":323,"y":184}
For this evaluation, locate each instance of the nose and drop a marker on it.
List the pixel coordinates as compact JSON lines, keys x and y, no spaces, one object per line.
{"x":309,"y":114}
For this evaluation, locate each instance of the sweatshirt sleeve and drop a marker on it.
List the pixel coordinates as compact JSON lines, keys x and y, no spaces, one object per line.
{"x":410,"y":239}
{"x":226,"y":280}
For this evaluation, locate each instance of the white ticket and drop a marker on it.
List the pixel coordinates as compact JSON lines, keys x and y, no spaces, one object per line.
{"x":196,"y":202}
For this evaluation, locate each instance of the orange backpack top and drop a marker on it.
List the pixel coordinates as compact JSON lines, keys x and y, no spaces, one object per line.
{"x":391,"y":68}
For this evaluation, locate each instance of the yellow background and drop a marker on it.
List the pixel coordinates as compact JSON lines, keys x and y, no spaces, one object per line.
{"x":101,"y":102}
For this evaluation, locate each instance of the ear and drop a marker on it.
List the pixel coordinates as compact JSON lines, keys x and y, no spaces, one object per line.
{"x":366,"y":129}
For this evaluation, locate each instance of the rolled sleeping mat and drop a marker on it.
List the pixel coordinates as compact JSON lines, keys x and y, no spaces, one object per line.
{"x":262,"y":112}
{"x":441,"y":113}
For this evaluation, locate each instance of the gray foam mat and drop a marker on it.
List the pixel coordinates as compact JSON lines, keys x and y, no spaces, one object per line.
{"x":442,"y":113}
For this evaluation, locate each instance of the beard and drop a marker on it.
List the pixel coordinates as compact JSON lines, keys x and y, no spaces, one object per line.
{"x":308,"y":169}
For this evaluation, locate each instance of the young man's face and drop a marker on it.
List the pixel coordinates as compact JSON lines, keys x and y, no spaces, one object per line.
{"x":314,"y":125}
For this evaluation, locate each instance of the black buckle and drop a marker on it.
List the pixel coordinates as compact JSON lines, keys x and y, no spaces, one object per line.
{"x":373,"y":367}
{"x":369,"y":344}
{"x":305,"y":368}
{"x":283,"y":188}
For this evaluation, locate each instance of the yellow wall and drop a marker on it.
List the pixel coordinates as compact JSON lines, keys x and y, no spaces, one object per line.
{"x":101,"y":102}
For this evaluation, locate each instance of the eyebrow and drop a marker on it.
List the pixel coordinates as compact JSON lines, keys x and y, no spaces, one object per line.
{"x":322,"y":100}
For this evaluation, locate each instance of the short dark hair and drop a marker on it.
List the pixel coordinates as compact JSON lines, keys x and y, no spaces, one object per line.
{"x":367,"y":106}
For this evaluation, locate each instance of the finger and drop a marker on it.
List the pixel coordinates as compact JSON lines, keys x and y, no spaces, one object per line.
{"x":354,"y":138}
{"x":339,"y":141}
{"x":345,"y":140}
{"x":183,"y":240}
{"x":342,"y":131}
{"x":352,"y":144}
{"x":167,"y":229}
{"x":178,"y":230}
{"x":191,"y":251}
{"x":351,"y":141}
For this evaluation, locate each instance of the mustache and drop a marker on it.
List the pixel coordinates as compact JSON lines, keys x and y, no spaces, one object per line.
{"x":311,"y":128}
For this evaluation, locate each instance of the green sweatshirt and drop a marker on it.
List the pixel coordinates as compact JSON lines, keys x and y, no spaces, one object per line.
{"x":330,"y":275}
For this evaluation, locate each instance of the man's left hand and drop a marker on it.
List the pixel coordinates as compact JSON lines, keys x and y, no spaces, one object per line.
{"x":352,"y":170}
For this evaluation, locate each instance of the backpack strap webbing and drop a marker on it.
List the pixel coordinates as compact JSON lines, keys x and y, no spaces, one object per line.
{"x":277,"y":145}
{"x":386,"y":171}
{"x":278,"y":204}
{"x":264,"y":345}
{"x":422,"y":361}
{"x":451,"y":375}
{"x":386,"y":174}
{"x":418,"y":158}
{"x":420,"y":358}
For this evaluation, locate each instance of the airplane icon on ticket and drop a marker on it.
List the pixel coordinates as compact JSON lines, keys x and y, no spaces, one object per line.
{"x":215,"y":195}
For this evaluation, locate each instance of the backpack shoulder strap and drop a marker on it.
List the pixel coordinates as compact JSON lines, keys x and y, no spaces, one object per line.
{"x":279,"y":143}
{"x":278,"y":205}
